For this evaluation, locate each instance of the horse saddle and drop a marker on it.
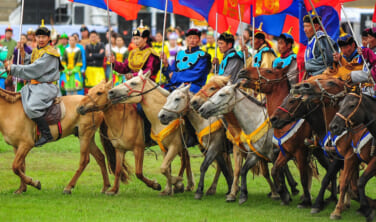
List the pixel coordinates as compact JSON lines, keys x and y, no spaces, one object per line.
{"x":56,"y":112}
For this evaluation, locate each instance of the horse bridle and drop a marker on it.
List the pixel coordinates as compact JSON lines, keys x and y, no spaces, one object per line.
{"x":347,"y":119}
{"x":97,"y":107}
{"x":292,"y":114}
{"x":207,"y":95}
{"x":333,"y":97}
{"x":141,"y":92}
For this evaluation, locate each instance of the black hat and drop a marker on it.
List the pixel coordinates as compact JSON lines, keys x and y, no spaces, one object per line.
{"x":142,"y":31}
{"x":287,"y":37}
{"x":259,"y":34}
{"x":43,"y":30}
{"x":372,"y":32}
{"x":227,"y":37}
{"x":365,"y":32}
{"x":315,"y":18}
{"x":9,"y":29}
{"x":193,"y":32}
{"x":83,"y":28}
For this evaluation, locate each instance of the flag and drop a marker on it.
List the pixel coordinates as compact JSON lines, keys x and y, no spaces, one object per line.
{"x":123,"y":8}
{"x":374,"y":15}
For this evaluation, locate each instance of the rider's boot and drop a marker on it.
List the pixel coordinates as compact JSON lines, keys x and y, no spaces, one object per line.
{"x":45,"y":131}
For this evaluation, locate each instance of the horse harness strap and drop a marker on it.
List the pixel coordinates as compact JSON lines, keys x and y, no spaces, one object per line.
{"x":209,"y":129}
{"x":164,"y":133}
{"x":256,"y":136}
{"x":348,"y":118}
{"x":281,"y":140}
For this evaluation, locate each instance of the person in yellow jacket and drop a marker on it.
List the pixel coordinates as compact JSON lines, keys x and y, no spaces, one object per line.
{"x":264,"y":55}
{"x":157,"y":46}
{"x":209,"y":48}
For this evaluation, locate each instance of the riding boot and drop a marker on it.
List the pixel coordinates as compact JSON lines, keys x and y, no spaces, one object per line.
{"x":147,"y":126}
{"x":190,"y":136}
{"x":45,"y":131}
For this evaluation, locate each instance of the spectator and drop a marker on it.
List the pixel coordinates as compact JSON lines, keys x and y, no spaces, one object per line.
{"x":28,"y":51}
{"x":94,"y":60}
{"x":9,"y":42}
{"x":31,"y":40}
{"x":83,"y":54}
{"x":157,"y":46}
{"x":3,"y":57}
{"x":108,"y":51}
{"x":121,"y":53}
{"x":174,"y":48}
{"x":63,"y":43}
{"x":84,"y":36}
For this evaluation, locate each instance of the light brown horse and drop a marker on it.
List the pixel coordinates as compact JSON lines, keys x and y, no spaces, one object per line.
{"x":233,"y":129}
{"x":19,"y":131}
{"x":125,"y":131}
{"x":141,"y":89}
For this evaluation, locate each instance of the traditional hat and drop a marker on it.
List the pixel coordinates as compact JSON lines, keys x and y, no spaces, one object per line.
{"x":258,"y":33}
{"x":30,"y":31}
{"x":227,"y":36}
{"x":9,"y":29}
{"x":142,"y":31}
{"x":43,"y":30}
{"x":345,"y":39}
{"x":83,"y":28}
{"x":193,"y":31}
{"x":173,"y":36}
{"x":315,"y":18}
{"x":64,"y":36}
{"x":287,"y":36}
{"x":365,"y":32}
{"x":372,"y":32}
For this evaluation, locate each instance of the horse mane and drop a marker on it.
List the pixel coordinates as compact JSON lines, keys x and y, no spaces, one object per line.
{"x":10,"y":96}
{"x":160,"y":89}
{"x":253,"y":99}
{"x":220,"y":80}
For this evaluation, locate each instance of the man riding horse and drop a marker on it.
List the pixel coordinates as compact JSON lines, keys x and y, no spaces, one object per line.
{"x":42,"y":68}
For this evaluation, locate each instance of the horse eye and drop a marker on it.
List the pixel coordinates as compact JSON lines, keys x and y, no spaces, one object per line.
{"x":177,"y":99}
{"x":269,"y":71}
{"x":212,"y":88}
{"x":133,"y":83}
{"x":222,"y":95}
{"x":99,"y":93}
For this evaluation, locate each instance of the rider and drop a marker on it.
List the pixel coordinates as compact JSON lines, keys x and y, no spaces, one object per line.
{"x":264,"y":55}
{"x":143,"y":57}
{"x":190,"y":66}
{"x":232,"y":61}
{"x":318,"y":54}
{"x":288,"y":57}
{"x":41,"y":68}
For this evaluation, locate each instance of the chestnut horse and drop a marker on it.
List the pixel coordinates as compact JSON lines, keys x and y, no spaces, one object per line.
{"x":275,"y":85}
{"x":141,"y":89}
{"x":20,"y":132}
{"x":234,"y":129}
{"x":125,"y":131}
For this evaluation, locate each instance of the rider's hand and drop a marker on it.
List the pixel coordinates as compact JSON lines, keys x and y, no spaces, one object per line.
{"x":129,"y":76}
{"x":164,"y":59}
{"x":360,"y":51}
{"x":215,"y":61}
{"x":7,"y":66}
{"x":336,"y":57}
{"x":112,"y":59}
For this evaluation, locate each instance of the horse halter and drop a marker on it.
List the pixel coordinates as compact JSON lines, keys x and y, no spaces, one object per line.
{"x":179,"y":112}
{"x":347,"y":119}
{"x":97,"y":107}
{"x":141,"y":92}
{"x":209,"y":95}
{"x":293,"y":113}
{"x":333,"y":97}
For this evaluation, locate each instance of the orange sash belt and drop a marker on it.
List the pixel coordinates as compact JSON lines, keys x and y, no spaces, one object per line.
{"x":34,"y":82}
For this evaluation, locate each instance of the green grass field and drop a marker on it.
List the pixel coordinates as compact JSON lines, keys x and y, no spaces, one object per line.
{"x":55,"y":163}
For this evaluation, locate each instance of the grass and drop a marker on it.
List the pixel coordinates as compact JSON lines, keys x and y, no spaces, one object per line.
{"x":55,"y":163}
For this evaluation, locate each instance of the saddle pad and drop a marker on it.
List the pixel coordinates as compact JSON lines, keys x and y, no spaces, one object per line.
{"x":56,"y":112}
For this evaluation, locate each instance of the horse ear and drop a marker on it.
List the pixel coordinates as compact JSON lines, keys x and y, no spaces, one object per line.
{"x":187,"y":87}
{"x":109,"y":84}
{"x":181,"y":86}
{"x":229,"y":83}
{"x":147,"y":74}
{"x":141,"y":73}
{"x":237,"y":84}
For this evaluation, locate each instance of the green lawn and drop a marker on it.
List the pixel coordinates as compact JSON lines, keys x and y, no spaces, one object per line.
{"x":55,"y":164}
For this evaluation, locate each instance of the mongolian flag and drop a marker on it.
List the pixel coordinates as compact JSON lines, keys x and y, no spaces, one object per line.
{"x":374,"y":15}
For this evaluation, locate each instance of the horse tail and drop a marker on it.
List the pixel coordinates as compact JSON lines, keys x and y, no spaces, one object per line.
{"x":257,"y":169}
{"x":110,"y":152}
{"x":314,"y":170}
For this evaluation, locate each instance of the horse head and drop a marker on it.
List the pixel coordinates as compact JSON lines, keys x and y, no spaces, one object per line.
{"x":221,"y":102}
{"x":208,"y":90}
{"x":351,"y":113}
{"x":262,"y":78}
{"x":96,"y":99}
{"x":131,"y":91}
{"x":177,"y":105}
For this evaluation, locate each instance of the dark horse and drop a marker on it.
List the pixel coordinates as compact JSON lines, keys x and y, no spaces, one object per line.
{"x":356,"y":109}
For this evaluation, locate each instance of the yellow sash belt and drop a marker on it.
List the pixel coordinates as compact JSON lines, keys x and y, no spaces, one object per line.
{"x":164,"y":133}
{"x":255,"y":136}
{"x":209,"y":129}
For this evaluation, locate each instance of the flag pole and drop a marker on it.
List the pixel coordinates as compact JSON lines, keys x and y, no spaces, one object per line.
{"x":109,"y":37}
{"x":216,"y":45}
{"x":253,"y":36}
{"x":20,"y":34}
{"x":356,"y":41}
{"x":163,"y":39}
{"x":241,"y":32}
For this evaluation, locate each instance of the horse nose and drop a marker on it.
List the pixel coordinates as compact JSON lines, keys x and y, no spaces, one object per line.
{"x":306,"y":85}
{"x":194,"y":104}
{"x":80,"y":110}
{"x":162,"y":116}
{"x":333,"y":127}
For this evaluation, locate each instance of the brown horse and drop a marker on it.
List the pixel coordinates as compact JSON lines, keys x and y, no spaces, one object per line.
{"x":233,"y":129}
{"x":290,"y":138}
{"x":20,"y":132}
{"x":125,"y":131}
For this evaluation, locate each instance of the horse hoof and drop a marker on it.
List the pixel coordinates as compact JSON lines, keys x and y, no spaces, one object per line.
{"x":242,"y":200}
{"x":18,"y":191}
{"x":198,"y":196}
{"x":67,"y":192}
{"x":334,"y":199}
{"x":157,"y":186}
{"x":284,"y":203}
{"x":179,"y":188}
{"x":303,"y":205}
{"x":165,"y":193}
{"x":335,"y":217}
{"x":315,"y":210}
{"x":295,"y":192}
{"x":230,"y":198}
{"x":211,"y":192}
{"x":110,"y":193}
{"x":274,"y":196}
{"x":38,"y":185}
{"x":371,"y":216}
{"x":189,"y":188}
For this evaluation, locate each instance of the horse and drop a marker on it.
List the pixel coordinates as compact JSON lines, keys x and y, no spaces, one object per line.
{"x":141,"y":89}
{"x":19,"y":131}
{"x":256,"y":134}
{"x":125,"y":131}
{"x":233,"y":133}
{"x":210,"y":133}
{"x":290,"y":139}
{"x":356,"y":109}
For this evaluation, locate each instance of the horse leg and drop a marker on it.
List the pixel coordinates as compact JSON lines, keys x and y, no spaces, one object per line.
{"x":165,"y":170}
{"x":18,"y":167}
{"x":209,"y":158}
{"x":332,"y":171}
{"x":238,"y":163}
{"x":324,"y":162}
{"x":305,"y":177}
{"x":279,"y":179}
{"x":23,"y":186}
{"x":120,"y":154}
{"x":290,"y":180}
{"x":346,"y":176}
{"x":368,"y":173}
{"x":265,"y":172}
{"x":139,"y":161}
{"x":101,"y":161}
{"x":249,"y":163}
{"x":213,"y":187}
{"x":84,"y":161}
{"x":190,"y":179}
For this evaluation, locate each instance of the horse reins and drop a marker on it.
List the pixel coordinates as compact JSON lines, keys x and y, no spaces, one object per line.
{"x":347,"y":119}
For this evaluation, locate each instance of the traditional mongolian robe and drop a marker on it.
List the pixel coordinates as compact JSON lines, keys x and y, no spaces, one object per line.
{"x":231,"y":64}
{"x":314,"y":60}
{"x":28,"y":50}
{"x":288,"y":60}
{"x":146,"y":59}
{"x":42,"y":68}
{"x":157,"y":46}
{"x":71,"y":79}
{"x":210,"y":49}
{"x":10,"y":44}
{"x":120,"y":54}
{"x":189,"y":67}
{"x":264,"y":57}
{"x":3,"y":57}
